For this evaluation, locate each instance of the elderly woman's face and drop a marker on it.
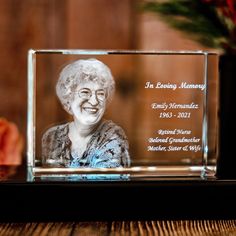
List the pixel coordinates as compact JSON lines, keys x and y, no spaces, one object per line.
{"x":89,"y":103}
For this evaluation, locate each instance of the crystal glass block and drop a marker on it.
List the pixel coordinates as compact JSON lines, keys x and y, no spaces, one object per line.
{"x":122,"y":115}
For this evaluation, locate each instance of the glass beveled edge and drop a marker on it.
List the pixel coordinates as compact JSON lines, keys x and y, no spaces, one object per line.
{"x":109,"y":52}
{"x":30,"y":108}
{"x":205,"y":114}
{"x":141,"y":171}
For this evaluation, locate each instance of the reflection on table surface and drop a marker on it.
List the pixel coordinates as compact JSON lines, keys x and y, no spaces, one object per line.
{"x":180,"y":227}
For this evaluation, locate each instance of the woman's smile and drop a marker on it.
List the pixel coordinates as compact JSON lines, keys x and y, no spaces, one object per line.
{"x":90,"y":110}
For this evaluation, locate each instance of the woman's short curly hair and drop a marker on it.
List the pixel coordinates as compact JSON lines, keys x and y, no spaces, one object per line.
{"x":79,"y":71}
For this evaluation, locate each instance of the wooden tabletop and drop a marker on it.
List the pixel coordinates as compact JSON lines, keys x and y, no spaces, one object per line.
{"x":182,"y":228}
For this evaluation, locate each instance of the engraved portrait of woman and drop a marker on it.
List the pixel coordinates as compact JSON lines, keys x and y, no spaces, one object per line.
{"x":85,"y":87}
